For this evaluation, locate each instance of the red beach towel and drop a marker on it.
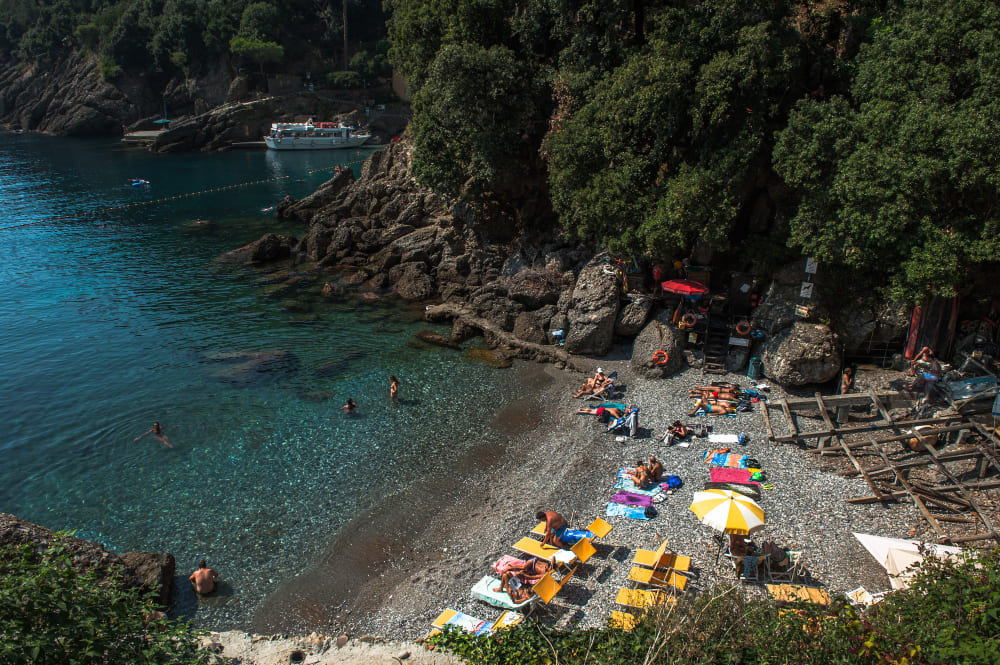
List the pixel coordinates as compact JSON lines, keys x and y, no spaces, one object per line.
{"x":742,"y":476}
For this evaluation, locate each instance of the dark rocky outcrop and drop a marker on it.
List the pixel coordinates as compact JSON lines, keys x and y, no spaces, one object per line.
{"x":801,"y":354}
{"x":658,"y":335}
{"x":253,"y":369}
{"x":154,"y":573}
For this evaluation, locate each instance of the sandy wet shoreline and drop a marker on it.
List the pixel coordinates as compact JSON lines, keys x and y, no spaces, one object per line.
{"x":393,"y":570}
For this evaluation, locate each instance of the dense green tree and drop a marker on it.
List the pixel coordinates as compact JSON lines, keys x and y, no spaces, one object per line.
{"x":902,"y":178}
{"x":260,"y":22}
{"x":658,"y":155}
{"x":472,"y":121}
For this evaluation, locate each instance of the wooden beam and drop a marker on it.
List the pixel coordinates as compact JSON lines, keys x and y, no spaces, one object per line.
{"x":906,"y":485}
{"x":878,"y":405}
{"x":969,"y":539}
{"x":788,"y":416}
{"x":861,"y":470}
{"x":767,"y":424}
{"x":881,"y":425}
{"x":850,"y":399}
{"x":899,"y":437}
{"x":961,"y":489}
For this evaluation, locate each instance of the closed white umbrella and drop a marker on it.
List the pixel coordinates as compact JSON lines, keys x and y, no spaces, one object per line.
{"x":728,"y":511}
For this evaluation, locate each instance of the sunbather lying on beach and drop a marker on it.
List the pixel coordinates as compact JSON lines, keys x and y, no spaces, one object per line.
{"x":716,"y":393}
{"x":518,"y":577}
{"x":603,"y":412}
{"x":707,"y":406}
{"x":593,"y":384}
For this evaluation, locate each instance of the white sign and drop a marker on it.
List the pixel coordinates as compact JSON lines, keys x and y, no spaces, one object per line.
{"x":811,"y":265}
{"x":739,"y":341}
{"x":807,"y":290}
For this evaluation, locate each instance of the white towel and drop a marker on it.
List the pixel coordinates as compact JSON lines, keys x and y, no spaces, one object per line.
{"x":723,"y":438}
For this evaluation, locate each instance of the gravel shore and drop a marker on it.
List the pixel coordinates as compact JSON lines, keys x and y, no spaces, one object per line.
{"x":555,"y":459}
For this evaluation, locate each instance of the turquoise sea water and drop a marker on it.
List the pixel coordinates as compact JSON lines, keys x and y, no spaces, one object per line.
{"x":110,"y":321}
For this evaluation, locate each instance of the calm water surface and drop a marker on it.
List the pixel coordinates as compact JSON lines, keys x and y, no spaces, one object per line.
{"x":114,"y":312}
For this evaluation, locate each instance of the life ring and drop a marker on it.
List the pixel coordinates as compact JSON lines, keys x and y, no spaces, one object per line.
{"x":743,"y":327}
{"x":658,"y":360}
{"x":689,"y":320}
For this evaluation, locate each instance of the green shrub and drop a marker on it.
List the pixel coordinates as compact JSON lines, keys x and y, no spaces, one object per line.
{"x":110,"y":71}
{"x":52,"y":612}
{"x":344,"y":80}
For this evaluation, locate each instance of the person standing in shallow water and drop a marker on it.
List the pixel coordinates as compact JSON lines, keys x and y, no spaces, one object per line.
{"x":393,"y":386}
{"x":350,"y":407}
{"x":157,"y":432}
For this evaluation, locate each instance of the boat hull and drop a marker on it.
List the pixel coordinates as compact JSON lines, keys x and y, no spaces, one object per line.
{"x":313,"y":142}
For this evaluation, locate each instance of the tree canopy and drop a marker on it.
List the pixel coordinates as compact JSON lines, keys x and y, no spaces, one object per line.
{"x":855,"y":131}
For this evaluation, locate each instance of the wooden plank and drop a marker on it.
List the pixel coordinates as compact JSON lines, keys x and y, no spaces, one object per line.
{"x":850,"y":399}
{"x":965,"y":427}
{"x":906,"y":485}
{"x":788,"y":416}
{"x":767,"y":424}
{"x":961,"y":489}
{"x":857,"y":465}
{"x":969,"y":539}
{"x":822,"y":411}
{"x":878,"y":405}
{"x":881,"y":425}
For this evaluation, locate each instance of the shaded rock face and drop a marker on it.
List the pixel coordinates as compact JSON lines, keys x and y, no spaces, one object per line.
{"x":593,"y":311}
{"x":69,"y":97}
{"x":153,"y":573}
{"x":658,"y":335}
{"x":632,"y":317}
{"x":802,"y":354}
{"x":218,"y":128}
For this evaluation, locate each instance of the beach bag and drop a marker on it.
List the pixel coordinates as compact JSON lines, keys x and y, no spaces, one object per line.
{"x":672,"y":482}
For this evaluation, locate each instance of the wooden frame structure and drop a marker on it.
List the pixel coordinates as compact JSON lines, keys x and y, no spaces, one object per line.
{"x":861,"y":428}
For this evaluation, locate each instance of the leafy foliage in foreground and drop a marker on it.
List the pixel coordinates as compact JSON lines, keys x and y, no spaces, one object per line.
{"x":54,"y":613}
{"x":950,"y":615}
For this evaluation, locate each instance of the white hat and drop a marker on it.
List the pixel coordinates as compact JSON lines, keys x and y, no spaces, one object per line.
{"x":600,"y":371}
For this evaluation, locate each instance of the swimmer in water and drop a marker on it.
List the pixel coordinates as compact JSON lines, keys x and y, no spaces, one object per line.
{"x":157,"y":432}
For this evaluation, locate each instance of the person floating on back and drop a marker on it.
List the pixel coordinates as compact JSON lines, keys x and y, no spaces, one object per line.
{"x":157,"y":432}
{"x":204,"y":578}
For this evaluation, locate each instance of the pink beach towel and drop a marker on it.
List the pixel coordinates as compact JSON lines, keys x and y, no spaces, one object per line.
{"x":718,"y":475}
{"x":505,"y":563}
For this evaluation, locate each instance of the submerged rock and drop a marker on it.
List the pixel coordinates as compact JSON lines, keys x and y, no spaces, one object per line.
{"x":247,"y":369}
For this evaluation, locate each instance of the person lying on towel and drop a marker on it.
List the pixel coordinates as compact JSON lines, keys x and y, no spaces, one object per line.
{"x":706,"y":405}
{"x":716,"y":392}
{"x":517,"y":579}
{"x":604,"y":413}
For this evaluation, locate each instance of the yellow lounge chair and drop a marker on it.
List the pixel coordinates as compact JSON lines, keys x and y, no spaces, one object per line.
{"x":547,"y":587}
{"x":622,"y":620}
{"x":546,"y":552}
{"x":471,"y":624}
{"x":661,"y":558}
{"x":583,"y":550}
{"x":657,"y":578}
{"x":642,"y":599}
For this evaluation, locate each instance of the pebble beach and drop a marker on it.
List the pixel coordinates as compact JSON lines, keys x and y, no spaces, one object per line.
{"x":421,"y":552}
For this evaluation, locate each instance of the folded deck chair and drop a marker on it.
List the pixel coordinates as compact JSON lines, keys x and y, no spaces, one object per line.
{"x":663,"y":579}
{"x":483,"y":590}
{"x":660,"y":560}
{"x":629,"y":422}
{"x":622,"y":620}
{"x":643,"y":599}
{"x":607,"y":391}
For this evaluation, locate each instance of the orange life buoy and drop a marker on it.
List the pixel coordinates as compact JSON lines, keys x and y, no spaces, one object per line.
{"x":743,"y":327}
{"x":689,"y":320}
{"x":657,"y":359}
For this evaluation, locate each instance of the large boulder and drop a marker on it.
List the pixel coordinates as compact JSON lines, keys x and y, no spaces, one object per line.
{"x":305,"y":208}
{"x":802,"y":354}
{"x":412,"y":281}
{"x":272,"y":247}
{"x":152,"y":572}
{"x":658,"y":335}
{"x":632,"y":316}
{"x":593,"y":310}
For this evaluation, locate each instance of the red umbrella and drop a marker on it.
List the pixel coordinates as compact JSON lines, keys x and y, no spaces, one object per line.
{"x":684,"y":287}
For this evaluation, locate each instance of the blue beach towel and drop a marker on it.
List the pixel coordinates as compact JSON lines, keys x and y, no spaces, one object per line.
{"x":632,"y":512}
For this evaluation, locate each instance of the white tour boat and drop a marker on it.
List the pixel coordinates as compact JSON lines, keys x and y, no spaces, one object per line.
{"x":314,"y":136}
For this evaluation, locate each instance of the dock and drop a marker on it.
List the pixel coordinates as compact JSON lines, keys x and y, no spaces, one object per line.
{"x":142,"y":138}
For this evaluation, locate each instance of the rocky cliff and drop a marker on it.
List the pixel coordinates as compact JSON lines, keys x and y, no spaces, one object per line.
{"x":152,"y":572}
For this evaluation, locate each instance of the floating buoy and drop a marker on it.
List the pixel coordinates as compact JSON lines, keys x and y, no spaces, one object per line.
{"x":689,"y":320}
{"x":743,"y":327}
{"x":660,"y":357}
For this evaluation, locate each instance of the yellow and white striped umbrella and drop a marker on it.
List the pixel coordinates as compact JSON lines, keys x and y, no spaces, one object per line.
{"x":728,"y":511}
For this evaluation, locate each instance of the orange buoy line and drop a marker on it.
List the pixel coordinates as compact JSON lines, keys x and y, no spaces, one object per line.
{"x":176,"y":197}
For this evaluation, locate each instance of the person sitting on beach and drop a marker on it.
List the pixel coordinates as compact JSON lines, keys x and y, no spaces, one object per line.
{"x":655,"y":470}
{"x":677,"y":430}
{"x":350,"y":407}
{"x":204,"y":578}
{"x":555,"y":527}
{"x":639,"y":474}
{"x":740,"y":546}
{"x":157,"y":433}
{"x":393,"y":386}
{"x":592,"y":385}
{"x":603,"y":412}
{"x":927,"y":369}
{"x":707,"y":406}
